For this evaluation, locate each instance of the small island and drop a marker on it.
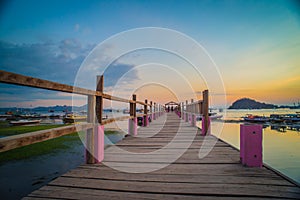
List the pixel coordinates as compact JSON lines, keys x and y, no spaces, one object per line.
{"x":246,"y":103}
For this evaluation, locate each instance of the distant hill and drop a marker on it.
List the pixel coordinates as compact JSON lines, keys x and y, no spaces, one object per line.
{"x":247,"y":103}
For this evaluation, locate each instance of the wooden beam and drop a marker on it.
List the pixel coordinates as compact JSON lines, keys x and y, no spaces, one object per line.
{"x":17,"y":79}
{"x":99,"y":100}
{"x":205,"y":109}
{"x":134,"y":105}
{"x":145,"y":113}
{"x":90,"y":133}
{"x":16,"y":141}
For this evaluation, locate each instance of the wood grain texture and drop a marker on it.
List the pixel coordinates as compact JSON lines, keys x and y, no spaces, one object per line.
{"x":219,"y":175}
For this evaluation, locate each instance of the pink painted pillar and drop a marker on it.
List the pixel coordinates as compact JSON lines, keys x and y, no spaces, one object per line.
{"x":192,"y":120}
{"x":132,"y":126}
{"x":146,"y":121}
{"x":204,"y":132}
{"x":99,"y":144}
{"x":251,"y":145}
{"x":143,"y":122}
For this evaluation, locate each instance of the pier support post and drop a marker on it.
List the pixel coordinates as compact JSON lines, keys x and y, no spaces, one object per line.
{"x":251,"y":145}
{"x":99,"y":144}
{"x":146,"y":120}
{"x":132,"y":126}
{"x":182,"y":110}
{"x":186,"y":112}
{"x":205,"y":126}
{"x":193,"y":122}
{"x":154,"y":112}
{"x":205,"y":117}
{"x":132,"y":123}
{"x":151,"y":111}
{"x":94,"y":151}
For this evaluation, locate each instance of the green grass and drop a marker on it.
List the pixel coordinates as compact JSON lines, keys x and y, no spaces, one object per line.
{"x":42,"y":148}
{"x":16,"y":130}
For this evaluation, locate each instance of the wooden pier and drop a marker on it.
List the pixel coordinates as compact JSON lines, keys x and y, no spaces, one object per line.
{"x":219,"y":175}
{"x":160,"y":160}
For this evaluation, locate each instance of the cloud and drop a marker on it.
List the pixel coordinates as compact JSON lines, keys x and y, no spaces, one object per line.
{"x":115,"y":72}
{"x":57,"y":62}
{"x":54,"y":61}
{"x":76,"y":27}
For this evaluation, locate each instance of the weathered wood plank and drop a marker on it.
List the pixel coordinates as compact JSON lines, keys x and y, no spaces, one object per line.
{"x":85,"y":193}
{"x":219,"y":175}
{"x":179,"y":188}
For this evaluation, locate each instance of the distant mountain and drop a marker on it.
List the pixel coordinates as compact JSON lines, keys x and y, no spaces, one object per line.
{"x":247,"y":103}
{"x":56,"y":108}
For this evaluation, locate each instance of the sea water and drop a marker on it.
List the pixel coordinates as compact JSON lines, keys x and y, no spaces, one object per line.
{"x":281,"y":149}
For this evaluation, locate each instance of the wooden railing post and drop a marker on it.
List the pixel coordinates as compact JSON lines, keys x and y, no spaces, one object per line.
{"x":132,"y":122}
{"x":154,"y":112}
{"x":186,"y":111}
{"x":99,"y":136}
{"x":146,"y":120}
{"x":205,"y":117}
{"x":182,"y":110}
{"x":99,"y":100}
{"x":95,"y":136}
{"x":90,"y":133}
{"x":151,"y":111}
{"x":192,"y":113}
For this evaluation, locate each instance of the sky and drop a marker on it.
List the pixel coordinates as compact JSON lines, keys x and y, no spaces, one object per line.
{"x":254,"y":47}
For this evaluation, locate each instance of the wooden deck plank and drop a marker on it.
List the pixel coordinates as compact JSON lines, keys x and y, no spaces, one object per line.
{"x":56,"y":192}
{"x":219,"y":175}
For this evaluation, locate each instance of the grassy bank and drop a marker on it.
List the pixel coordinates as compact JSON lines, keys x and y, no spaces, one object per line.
{"x":41,"y":148}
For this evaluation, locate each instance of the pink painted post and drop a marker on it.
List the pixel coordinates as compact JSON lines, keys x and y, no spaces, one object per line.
{"x":132,"y":126}
{"x":154,"y":112}
{"x":196,"y":117}
{"x":99,"y":144}
{"x":204,"y":131}
{"x":182,"y":111}
{"x":146,"y":121}
{"x":193,"y":122}
{"x":251,"y":145}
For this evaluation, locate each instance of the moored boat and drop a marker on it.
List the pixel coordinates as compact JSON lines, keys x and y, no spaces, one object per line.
{"x":212,"y":116}
{"x":24,"y":122}
{"x":71,"y":118}
{"x":256,"y":118}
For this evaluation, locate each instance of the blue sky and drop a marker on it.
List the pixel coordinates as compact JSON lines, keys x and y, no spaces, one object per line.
{"x":253,"y":42}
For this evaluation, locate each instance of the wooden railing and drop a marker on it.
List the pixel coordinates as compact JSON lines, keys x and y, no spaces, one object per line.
{"x":94,"y":116}
{"x":190,"y":111}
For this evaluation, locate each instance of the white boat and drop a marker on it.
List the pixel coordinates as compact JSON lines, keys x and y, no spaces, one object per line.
{"x":24,"y":122}
{"x":212,"y":116}
{"x":71,"y":118}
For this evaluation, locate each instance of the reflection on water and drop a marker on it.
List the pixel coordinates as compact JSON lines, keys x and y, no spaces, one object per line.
{"x":19,"y":178}
{"x":280,"y":148}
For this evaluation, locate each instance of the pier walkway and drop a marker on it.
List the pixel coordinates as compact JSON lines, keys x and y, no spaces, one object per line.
{"x":219,"y":175}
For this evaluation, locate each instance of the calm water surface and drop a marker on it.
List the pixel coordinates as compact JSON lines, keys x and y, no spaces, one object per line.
{"x":281,"y":150}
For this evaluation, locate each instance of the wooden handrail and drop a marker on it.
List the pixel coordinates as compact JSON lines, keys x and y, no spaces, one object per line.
{"x":95,"y":107}
{"x":16,"y":141}
{"x":18,"y":79}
